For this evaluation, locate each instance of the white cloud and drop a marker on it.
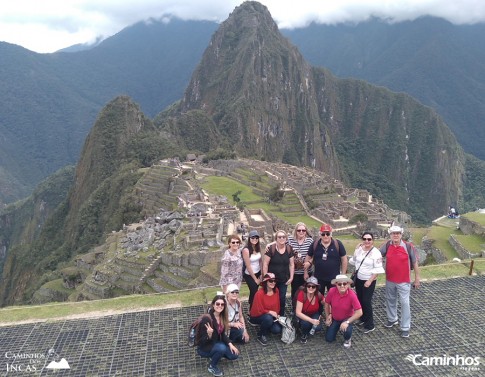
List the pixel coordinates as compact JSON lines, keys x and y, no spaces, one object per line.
{"x":49,"y":25}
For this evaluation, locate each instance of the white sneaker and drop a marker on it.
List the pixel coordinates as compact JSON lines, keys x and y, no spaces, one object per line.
{"x":348,"y":343}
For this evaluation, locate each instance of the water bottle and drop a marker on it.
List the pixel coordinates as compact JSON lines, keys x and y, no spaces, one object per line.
{"x":192,"y":338}
{"x":313,"y":329}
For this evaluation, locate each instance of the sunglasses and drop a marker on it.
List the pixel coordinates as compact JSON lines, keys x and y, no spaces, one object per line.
{"x":254,"y":237}
{"x":271,"y":281}
{"x":281,"y":237}
{"x":367,"y":239}
{"x":219,"y":304}
{"x":325,"y":234}
{"x":311,"y":286}
{"x":235,"y":292}
{"x":301,"y":230}
{"x":235,"y":242}
{"x":395,"y":233}
{"x":342,"y":284}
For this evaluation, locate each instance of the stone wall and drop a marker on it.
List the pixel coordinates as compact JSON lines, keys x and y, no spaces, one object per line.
{"x":428,"y":247}
{"x":470,"y":227}
{"x":464,"y":253}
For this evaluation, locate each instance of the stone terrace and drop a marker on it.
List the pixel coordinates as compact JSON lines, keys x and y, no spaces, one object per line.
{"x":447,"y":320}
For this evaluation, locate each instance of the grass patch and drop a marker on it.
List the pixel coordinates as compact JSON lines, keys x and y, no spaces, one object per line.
{"x":417,"y":235}
{"x":476,"y":217}
{"x":471,"y":242}
{"x":227,"y":187}
{"x":441,"y":235}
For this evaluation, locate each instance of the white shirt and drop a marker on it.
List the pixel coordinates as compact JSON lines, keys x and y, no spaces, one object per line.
{"x":372,"y":264}
{"x":255,"y":259}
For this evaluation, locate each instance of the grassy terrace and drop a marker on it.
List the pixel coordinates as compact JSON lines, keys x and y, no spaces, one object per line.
{"x":17,"y":314}
{"x":228,"y":186}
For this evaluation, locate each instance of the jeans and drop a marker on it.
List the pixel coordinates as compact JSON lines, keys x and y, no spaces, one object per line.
{"x":333,"y":329}
{"x":253,"y":287}
{"x":364,"y":295}
{"x":236,"y":335}
{"x":306,"y":326}
{"x":267,"y":324}
{"x":403,"y":290}
{"x":282,"y":287}
{"x":219,"y":350}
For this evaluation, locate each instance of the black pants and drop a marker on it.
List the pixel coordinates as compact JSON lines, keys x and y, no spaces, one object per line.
{"x":324,"y":284}
{"x":297,"y":282}
{"x":364,"y":295}
{"x":253,"y":287}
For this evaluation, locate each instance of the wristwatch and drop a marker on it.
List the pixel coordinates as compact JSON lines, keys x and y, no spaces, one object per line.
{"x":347,"y":322}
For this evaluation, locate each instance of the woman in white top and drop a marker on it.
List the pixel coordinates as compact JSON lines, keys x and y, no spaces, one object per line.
{"x":367,"y":260}
{"x":252,"y":264}
{"x":237,"y":326}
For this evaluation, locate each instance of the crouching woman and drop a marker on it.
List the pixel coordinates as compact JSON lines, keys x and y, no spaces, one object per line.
{"x":265,"y":309}
{"x":212,"y":339}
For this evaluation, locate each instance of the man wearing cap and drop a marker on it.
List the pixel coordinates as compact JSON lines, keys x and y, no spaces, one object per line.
{"x":329,"y":257}
{"x":342,"y":309}
{"x":398,"y":278}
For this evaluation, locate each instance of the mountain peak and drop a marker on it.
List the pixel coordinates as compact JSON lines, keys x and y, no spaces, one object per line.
{"x":260,"y":93}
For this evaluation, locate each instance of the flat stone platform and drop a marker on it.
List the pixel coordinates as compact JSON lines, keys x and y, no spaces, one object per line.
{"x":448,"y":328}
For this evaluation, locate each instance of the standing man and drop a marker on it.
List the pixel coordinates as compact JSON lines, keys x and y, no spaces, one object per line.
{"x":400,"y":256}
{"x":329,"y":257}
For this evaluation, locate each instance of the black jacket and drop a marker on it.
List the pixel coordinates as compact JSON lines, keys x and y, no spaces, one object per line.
{"x":204,"y":342}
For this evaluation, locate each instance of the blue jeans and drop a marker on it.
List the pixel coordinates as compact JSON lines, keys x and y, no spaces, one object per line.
{"x":282,"y":287}
{"x":219,"y":350}
{"x":403,"y":290}
{"x":236,"y":335}
{"x":306,"y":326}
{"x":267,"y":324}
{"x":333,"y":329}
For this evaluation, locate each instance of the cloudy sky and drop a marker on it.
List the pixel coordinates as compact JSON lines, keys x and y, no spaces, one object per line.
{"x":49,"y":25}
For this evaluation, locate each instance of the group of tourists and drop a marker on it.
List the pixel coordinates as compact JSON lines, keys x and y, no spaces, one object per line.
{"x":321,"y":293}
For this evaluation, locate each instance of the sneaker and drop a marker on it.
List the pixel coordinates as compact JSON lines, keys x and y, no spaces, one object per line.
{"x":405,"y":334}
{"x":347,"y":343}
{"x":366,"y":331}
{"x":358,"y":322}
{"x":262,"y":339}
{"x":215,"y":371}
{"x":389,"y":324}
{"x":304,"y":338}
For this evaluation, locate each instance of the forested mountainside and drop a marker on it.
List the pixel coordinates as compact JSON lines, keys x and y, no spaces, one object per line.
{"x":51,"y":100}
{"x":252,"y":95}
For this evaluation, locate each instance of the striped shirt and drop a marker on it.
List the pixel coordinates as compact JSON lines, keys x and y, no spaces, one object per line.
{"x":300,"y":252}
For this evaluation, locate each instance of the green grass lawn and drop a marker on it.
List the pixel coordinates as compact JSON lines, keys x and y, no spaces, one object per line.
{"x":471,"y":242}
{"x":479,"y":218}
{"x":441,"y":235}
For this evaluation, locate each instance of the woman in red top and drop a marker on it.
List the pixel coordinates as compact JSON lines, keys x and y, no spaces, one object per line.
{"x":309,"y":307}
{"x":265,"y":309}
